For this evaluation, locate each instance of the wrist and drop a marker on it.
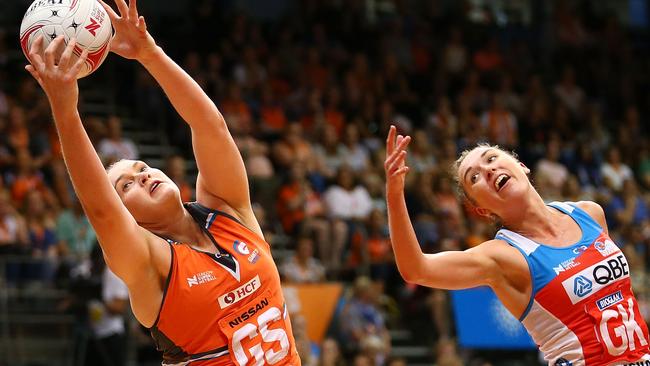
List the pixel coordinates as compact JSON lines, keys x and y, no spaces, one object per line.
{"x":394,"y":192}
{"x":152,"y":57}
{"x":65,"y":112}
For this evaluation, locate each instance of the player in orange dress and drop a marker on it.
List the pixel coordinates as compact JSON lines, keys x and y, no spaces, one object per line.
{"x":200,"y":275}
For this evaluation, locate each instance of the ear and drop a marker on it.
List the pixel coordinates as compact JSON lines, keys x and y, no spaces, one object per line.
{"x":526,"y":170}
{"x":483,"y":212}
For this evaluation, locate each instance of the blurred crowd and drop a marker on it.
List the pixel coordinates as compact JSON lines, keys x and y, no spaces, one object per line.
{"x":309,"y":98}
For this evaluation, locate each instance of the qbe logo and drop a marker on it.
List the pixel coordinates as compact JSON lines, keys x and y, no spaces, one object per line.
{"x":596,"y":277}
{"x":240,"y":292}
{"x":582,"y":286}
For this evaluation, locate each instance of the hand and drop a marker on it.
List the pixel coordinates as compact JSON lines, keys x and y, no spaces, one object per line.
{"x":58,"y":80}
{"x":131,"y":39}
{"x":395,"y":163}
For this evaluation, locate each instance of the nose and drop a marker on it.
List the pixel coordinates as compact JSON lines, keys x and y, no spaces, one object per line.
{"x":143,"y":178}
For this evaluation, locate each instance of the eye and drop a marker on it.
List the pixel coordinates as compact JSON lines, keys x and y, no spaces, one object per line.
{"x":143,"y":168}
{"x":491,"y":158}
{"x":126,"y":185}
{"x":474,"y":178}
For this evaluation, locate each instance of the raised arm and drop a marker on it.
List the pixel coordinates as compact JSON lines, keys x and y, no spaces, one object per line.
{"x":125,"y":244}
{"x":446,"y":270}
{"x":222,"y":174}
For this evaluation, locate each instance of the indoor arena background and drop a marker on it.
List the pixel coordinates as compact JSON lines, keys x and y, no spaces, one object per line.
{"x":308,"y":89}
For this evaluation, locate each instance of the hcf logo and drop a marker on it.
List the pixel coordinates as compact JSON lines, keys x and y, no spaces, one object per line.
{"x":581,"y":286}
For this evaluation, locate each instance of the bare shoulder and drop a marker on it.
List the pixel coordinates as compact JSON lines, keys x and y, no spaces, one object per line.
{"x":595,"y":211}
{"x":511,"y":264}
{"x":502,"y":253}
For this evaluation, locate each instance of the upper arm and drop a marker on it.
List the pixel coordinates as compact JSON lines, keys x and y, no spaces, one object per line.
{"x":222,"y":173}
{"x":129,"y":250}
{"x":453,"y":270}
{"x":596,"y":212}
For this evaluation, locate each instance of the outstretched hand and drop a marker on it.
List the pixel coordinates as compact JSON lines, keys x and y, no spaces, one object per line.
{"x":58,"y":79}
{"x":131,"y":39}
{"x":395,"y":163}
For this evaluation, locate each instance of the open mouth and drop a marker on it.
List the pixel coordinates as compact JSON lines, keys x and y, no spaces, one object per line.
{"x":501,"y":181}
{"x":154,"y":186}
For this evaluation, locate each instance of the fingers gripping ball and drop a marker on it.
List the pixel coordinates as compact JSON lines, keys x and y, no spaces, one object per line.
{"x":84,"y":20}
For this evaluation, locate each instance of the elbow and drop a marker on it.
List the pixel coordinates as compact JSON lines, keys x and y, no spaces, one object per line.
{"x":410,"y":276}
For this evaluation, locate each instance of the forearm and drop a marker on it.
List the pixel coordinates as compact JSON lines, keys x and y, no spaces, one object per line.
{"x":187,"y":97}
{"x":408,"y":255}
{"x":86,"y":171}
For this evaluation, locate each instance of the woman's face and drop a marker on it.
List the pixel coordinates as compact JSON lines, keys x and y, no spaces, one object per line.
{"x":491,"y":178}
{"x":148,"y":194}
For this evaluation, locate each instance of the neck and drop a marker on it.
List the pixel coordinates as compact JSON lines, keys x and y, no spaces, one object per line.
{"x":532,"y":218}
{"x":181,"y":228}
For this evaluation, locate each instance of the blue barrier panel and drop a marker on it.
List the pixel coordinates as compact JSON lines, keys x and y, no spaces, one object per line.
{"x":482,"y":322}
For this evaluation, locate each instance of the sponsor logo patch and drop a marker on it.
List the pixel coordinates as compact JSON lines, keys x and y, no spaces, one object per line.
{"x":609,"y":300}
{"x":241,"y":247}
{"x":240,"y":292}
{"x":606,"y":247}
{"x":582,"y":286}
{"x":254,"y":257}
{"x":596,"y":277}
{"x":580,"y":249}
{"x":200,"y":278}
{"x":567,"y":264}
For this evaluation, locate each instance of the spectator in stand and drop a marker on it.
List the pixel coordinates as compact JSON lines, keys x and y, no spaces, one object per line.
{"x":27,"y":179}
{"x":501,"y":124}
{"x":397,"y":361}
{"x":489,"y":57}
{"x":330,"y":354}
{"x":569,"y":93}
{"x":328,"y":154}
{"x":13,"y":229}
{"x":356,"y":155}
{"x":17,"y":132}
{"x":43,"y":242}
{"x":302,"y":212}
{"x":273,"y":119}
{"x":362,"y":360}
{"x":443,"y":123}
{"x":587,"y":167}
{"x":362,"y":323}
{"x":422,"y":159}
{"x":76,"y":237}
{"x":550,"y":174}
{"x":293,"y":147}
{"x":108,"y":318}
{"x":615,"y":172}
{"x":454,"y":54}
{"x":332,"y":111}
{"x":422,"y":207}
{"x":114,"y":146}
{"x":643,"y":169}
{"x":236,"y":111}
{"x":349,"y":202}
{"x":628,"y":207}
{"x":302,"y":267}
{"x":377,"y":245}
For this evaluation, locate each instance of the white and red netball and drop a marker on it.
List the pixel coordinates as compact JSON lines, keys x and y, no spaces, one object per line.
{"x":85,"y":20}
